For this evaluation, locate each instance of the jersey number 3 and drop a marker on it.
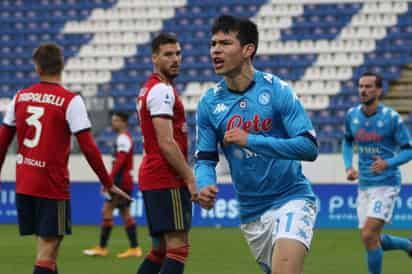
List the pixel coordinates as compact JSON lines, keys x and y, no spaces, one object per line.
{"x":33,"y":120}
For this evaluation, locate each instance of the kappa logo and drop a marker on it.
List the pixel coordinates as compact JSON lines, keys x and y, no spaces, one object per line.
{"x":220,"y":108}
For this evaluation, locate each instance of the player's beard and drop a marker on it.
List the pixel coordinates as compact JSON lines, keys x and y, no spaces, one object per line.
{"x":370,"y":101}
{"x":169,"y":74}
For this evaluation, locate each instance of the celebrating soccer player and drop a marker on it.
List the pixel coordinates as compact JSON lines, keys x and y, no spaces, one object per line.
{"x":45,"y":116}
{"x":121,"y":175}
{"x":165,"y":178}
{"x":264,"y":132}
{"x":379,"y":133}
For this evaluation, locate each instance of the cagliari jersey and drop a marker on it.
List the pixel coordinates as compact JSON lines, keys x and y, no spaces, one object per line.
{"x":45,"y":116}
{"x":382,"y":134}
{"x":160,"y":99}
{"x":123,"y":176}
{"x":270,"y":111}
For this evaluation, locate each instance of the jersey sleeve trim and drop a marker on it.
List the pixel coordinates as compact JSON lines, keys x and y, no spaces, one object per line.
{"x":407,"y":146}
{"x":160,"y":115}
{"x":308,"y":135}
{"x":123,"y":143}
{"x":9,"y":126}
{"x":76,"y":115}
{"x":10,"y":116}
{"x":161,"y":100}
{"x":82,"y":130}
{"x":207,"y":155}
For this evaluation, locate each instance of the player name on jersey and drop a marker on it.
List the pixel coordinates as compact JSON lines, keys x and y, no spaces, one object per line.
{"x":42,"y":98}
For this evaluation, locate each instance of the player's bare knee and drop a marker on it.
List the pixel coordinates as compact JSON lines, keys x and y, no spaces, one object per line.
{"x":370,"y":237}
{"x":176,"y":239}
{"x":125,"y":214}
{"x":48,"y":248}
{"x":107,"y":211}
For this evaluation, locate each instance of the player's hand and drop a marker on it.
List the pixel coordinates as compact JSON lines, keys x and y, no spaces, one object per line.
{"x":191,"y":185}
{"x":105,"y":193}
{"x":114,"y":189}
{"x":207,"y":196}
{"x":236,"y":136}
{"x":352,"y":174}
{"x":378,"y":165}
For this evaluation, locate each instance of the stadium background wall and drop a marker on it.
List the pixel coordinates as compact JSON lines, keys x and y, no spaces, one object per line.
{"x":337,"y":197}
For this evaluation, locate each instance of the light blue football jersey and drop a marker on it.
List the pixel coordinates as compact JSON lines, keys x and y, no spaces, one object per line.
{"x":382,"y":134}
{"x":268,"y":107}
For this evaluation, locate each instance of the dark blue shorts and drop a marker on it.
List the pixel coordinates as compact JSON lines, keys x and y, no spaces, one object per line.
{"x":168,"y":210}
{"x":43,"y":217}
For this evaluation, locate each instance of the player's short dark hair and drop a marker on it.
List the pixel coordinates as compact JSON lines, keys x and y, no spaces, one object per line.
{"x":378,"y":78}
{"x":162,"y":39}
{"x":247,"y":31}
{"x":49,"y":58}
{"x":124,"y":116}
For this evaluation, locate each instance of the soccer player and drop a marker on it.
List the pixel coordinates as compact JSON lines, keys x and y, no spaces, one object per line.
{"x":383,"y":144}
{"x":264,"y":132}
{"x":165,"y":178}
{"x":44,"y":116}
{"x":121,"y":175}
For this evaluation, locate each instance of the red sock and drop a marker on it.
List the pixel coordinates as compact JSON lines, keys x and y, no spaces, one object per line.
{"x":156,"y":255}
{"x":178,"y":254}
{"x":50,"y":265}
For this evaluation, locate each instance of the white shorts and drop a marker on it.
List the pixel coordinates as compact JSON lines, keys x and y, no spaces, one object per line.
{"x":294,"y":220}
{"x":376,"y":202}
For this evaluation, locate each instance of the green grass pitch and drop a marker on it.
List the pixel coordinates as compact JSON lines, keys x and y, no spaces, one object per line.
{"x":213,"y":251}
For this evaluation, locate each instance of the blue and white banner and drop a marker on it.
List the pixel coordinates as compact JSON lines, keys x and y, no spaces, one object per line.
{"x":337,"y":206}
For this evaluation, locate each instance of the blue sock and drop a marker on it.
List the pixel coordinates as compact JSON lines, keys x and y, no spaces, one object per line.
{"x":375,"y":257}
{"x":389,"y":242}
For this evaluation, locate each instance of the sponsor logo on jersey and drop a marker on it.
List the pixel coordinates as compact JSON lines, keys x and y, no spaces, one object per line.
{"x":256,"y":124}
{"x":243,"y":104}
{"x":364,"y":136}
{"x":220,"y":108}
{"x":20,"y":159}
{"x":369,"y":150}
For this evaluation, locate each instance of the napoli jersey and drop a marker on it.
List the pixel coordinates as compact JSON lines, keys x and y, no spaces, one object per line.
{"x":269,"y":108}
{"x":381,"y":134}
